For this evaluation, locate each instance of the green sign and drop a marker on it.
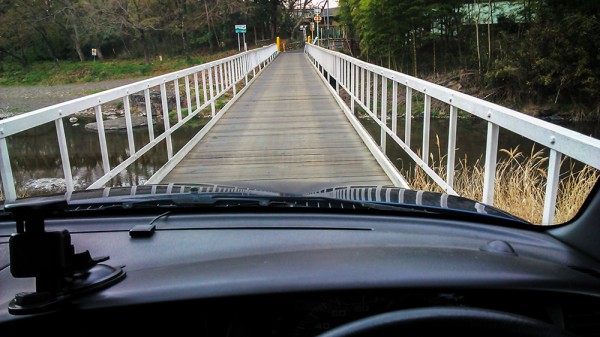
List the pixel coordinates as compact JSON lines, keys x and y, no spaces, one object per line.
{"x":240,"y":29}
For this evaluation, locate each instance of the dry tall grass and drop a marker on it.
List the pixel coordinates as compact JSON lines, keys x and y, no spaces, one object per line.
{"x":520,"y":183}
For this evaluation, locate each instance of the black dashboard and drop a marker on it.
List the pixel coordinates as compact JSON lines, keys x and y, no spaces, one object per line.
{"x":309,"y":314}
{"x":300,"y":274}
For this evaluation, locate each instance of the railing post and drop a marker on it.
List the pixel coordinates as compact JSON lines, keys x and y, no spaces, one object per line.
{"x":238,"y":68}
{"x":408,"y":116}
{"x":197,"y":91}
{"x":362,"y":85}
{"x":204,"y":95}
{"x":188,"y":95}
{"x":451,"y":146}
{"x":375,"y":98}
{"x":177,"y":99}
{"x":148,"y":115}
{"x":351,"y":87}
{"x":102,"y":134}
{"x":129,"y":125}
{"x":356,"y":87}
{"x":426,"y":127}
{"x":338,"y":76}
{"x":216,"y":70}
{"x":220,"y":66}
{"x":394,"y":107}
{"x":347,"y":72}
{"x":212,"y":95}
{"x":227,"y":73}
{"x":347,"y":75}
{"x":232,"y":69}
{"x":64,"y":154}
{"x":383,"y":113}
{"x":368,"y":89}
{"x":491,"y":153}
{"x":8,"y":180}
{"x":165,"y":108}
{"x":551,"y":187}
{"x":343,"y":69}
{"x":246,"y":70}
{"x":232,"y":77}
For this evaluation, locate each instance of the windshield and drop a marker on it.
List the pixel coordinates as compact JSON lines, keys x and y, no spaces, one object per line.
{"x":371,"y":101}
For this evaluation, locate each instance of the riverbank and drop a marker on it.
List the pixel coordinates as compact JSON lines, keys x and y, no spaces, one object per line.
{"x":44,"y":83}
{"x":470,"y":83}
{"x":49,"y":73}
{"x":20,"y":99}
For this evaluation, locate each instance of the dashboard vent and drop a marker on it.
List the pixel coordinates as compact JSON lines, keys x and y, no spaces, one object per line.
{"x":583,"y":319}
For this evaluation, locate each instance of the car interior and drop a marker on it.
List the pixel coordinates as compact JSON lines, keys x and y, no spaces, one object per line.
{"x":242,"y":271}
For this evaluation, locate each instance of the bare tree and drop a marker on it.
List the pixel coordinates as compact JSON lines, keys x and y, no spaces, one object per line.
{"x":296,"y":9}
{"x":141,"y":16}
{"x":476,"y":4}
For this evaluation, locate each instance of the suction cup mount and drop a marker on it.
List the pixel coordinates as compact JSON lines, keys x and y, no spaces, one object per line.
{"x":59,"y":272}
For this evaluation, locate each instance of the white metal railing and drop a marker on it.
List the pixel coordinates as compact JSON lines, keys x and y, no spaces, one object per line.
{"x":362,"y":80}
{"x":213,"y":79}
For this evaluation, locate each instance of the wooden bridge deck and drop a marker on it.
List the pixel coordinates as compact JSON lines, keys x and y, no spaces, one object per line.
{"x":285,"y":133}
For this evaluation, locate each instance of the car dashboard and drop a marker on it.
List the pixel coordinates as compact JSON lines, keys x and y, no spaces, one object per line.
{"x":301,"y":273}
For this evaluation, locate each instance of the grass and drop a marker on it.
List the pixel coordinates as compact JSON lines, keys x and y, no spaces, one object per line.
{"x":48,"y":73}
{"x":520,"y":183}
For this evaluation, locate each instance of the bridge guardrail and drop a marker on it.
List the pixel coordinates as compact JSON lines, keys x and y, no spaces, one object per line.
{"x":360,"y":80}
{"x":214,"y":79}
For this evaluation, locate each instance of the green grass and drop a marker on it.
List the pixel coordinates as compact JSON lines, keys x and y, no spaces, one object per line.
{"x":48,"y":73}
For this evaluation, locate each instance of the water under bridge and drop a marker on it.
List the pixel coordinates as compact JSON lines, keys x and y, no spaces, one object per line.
{"x":289,"y":122}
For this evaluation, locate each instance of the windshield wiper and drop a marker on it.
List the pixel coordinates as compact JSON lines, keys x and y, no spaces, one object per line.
{"x":195,"y":200}
{"x":220,"y":200}
{"x":443,"y":212}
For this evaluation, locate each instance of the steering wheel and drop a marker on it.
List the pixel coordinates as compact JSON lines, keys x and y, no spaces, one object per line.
{"x":448,"y":320}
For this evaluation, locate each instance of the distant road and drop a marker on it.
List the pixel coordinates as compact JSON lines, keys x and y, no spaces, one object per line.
{"x":18,"y":100}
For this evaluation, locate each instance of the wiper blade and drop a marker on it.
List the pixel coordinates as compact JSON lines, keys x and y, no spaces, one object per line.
{"x":441,"y":211}
{"x":213,"y":200}
{"x":381,"y":206}
{"x":193,"y":201}
{"x":205,"y":200}
{"x":221,"y":200}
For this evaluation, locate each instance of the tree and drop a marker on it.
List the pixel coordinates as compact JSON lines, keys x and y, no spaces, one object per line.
{"x":38,"y":15}
{"x":15,"y":34}
{"x":68,"y":15}
{"x":295,"y":10}
{"x":140,"y":17}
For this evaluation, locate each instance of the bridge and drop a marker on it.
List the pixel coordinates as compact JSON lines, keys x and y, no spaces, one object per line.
{"x":290,"y":124}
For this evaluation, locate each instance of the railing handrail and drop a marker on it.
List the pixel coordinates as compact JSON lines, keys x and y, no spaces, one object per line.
{"x":349,"y":73}
{"x":219,"y":76}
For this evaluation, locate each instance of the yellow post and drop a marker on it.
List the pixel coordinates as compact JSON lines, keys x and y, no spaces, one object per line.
{"x":309,"y":39}
{"x":278,"y":45}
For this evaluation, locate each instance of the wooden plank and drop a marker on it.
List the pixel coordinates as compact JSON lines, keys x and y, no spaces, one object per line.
{"x":289,"y":168}
{"x":287,"y":134}
{"x":269,"y":175}
{"x":291,"y":156}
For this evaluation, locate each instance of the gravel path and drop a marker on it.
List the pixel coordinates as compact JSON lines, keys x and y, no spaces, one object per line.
{"x":16,"y":100}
